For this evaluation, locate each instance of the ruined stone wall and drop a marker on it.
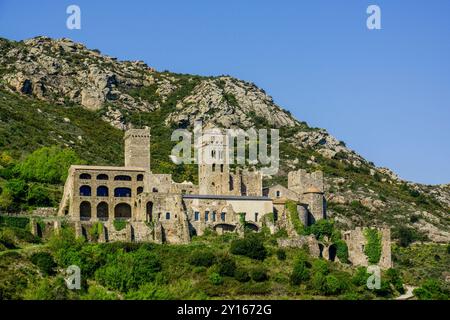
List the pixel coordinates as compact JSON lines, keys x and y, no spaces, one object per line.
{"x":299,"y":181}
{"x":184,"y":188}
{"x":356,"y":242}
{"x":252,"y":181}
{"x":209,"y":214}
{"x":279,"y":191}
{"x":316,"y":207}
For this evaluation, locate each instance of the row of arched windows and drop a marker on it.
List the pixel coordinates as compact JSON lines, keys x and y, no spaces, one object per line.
{"x":87,"y":176}
{"x":121,"y":210}
{"x":103,"y":191}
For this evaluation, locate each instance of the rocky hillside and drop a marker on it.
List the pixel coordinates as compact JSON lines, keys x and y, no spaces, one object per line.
{"x":62,"y":82}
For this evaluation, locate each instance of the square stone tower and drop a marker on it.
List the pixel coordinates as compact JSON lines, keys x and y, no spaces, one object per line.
{"x":213,"y":166}
{"x":137,"y":148}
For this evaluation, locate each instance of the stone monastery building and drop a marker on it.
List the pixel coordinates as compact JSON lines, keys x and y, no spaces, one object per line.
{"x":154,"y":208}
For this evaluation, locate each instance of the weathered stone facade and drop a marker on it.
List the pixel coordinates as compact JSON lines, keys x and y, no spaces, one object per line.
{"x":132,"y":203}
{"x":154,"y":207}
{"x":356,"y":242}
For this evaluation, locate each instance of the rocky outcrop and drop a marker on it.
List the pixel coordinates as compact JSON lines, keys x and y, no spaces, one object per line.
{"x":63,"y":71}
{"x":228,"y":102}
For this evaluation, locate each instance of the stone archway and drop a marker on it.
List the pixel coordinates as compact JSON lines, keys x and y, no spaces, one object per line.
{"x":251,"y":227}
{"x":222,"y":228}
{"x":320,"y":250}
{"x":332,"y":252}
{"x":122,"y":211}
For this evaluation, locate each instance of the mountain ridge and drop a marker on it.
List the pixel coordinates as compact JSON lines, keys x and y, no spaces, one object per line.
{"x":63,"y":73}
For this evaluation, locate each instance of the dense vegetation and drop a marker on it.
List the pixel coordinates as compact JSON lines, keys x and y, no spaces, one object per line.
{"x":208,"y":268}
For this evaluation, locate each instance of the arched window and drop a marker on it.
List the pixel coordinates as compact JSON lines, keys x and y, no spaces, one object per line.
{"x":139,"y":190}
{"x":223,"y":216}
{"x":122,"y":210}
{"x":206,"y":215}
{"x":85,"y":191}
{"x":214,"y":216}
{"x":221,"y":168}
{"x":278,"y":193}
{"x":154,"y":190}
{"x":102,"y":177}
{"x":102,"y":211}
{"x":214,"y":167}
{"x":122,"y":178}
{"x":122,"y":192}
{"x":196,"y":215}
{"x":85,"y":176}
{"x":167,"y":215}
{"x":256,"y":216}
{"x":102,"y":191}
{"x":140,"y":177}
{"x":85,"y":210}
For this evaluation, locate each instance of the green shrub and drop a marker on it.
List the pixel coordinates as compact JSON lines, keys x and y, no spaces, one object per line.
{"x":405,"y":235}
{"x":120,"y":224}
{"x":318,"y":282}
{"x":126,"y":271}
{"x":300,"y":273}
{"x":215,"y":279}
{"x":17,"y":222}
{"x":7,"y":239}
{"x":342,"y":251}
{"x":394,"y":278}
{"x":431,"y":289}
{"x":282,"y":233}
{"x":360,"y":277}
{"x":291,"y":207}
{"x":96,"y":292}
{"x":322,"y":228}
{"x":332,"y":285}
{"x":226,"y":265}
{"x":255,"y":288}
{"x":385,"y":289}
{"x":96,"y":230}
{"x":373,"y":246}
{"x":49,"y":289}
{"x":241,"y":275}
{"x":48,"y":164}
{"x":320,"y":266}
{"x":250,"y":246}
{"x":202,"y":258}
{"x":259,"y":274}
{"x":44,"y":261}
{"x":281,"y":254}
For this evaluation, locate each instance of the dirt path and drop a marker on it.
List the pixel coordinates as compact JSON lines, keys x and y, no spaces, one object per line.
{"x":408,"y":294}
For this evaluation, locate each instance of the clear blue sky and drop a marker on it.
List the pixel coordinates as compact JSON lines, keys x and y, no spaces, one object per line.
{"x":385,"y":92}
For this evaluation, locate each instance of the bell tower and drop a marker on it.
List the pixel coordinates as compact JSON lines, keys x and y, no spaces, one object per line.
{"x":213,"y":163}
